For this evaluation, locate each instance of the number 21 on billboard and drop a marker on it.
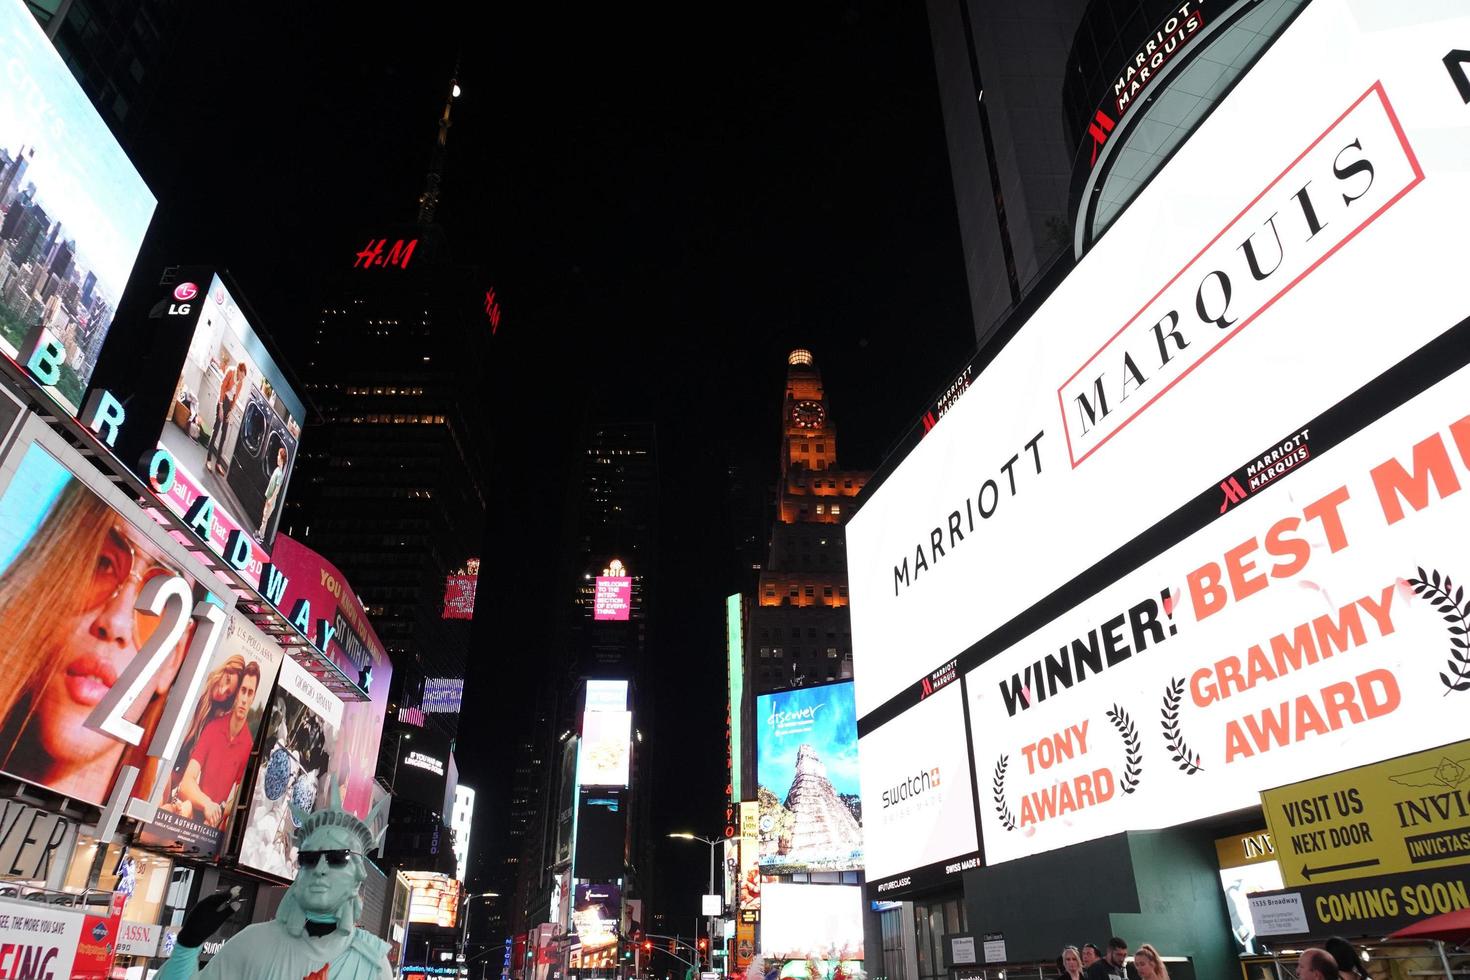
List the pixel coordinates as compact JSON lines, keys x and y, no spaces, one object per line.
{"x":168,"y":598}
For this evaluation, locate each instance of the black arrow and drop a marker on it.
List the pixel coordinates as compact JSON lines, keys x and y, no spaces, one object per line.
{"x":1454,"y":63}
{"x":1307,"y":871}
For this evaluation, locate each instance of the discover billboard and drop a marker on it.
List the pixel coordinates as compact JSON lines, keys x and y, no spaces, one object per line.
{"x":1210,"y":545}
{"x":75,"y":209}
{"x":807,"y":770}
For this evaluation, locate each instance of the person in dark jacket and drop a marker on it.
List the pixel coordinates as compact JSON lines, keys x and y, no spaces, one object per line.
{"x":1071,"y":964}
{"x":1349,"y":963}
{"x":1113,"y":965}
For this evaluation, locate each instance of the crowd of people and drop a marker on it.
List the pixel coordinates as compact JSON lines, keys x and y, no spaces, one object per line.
{"x":1335,"y":960}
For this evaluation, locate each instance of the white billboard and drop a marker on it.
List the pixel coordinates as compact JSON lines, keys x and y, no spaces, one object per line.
{"x":918,"y":804}
{"x":605,"y":754}
{"x":803,"y":921}
{"x":1194,"y":393}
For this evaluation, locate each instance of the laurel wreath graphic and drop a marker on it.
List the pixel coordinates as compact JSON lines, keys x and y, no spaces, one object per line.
{"x":1181,"y":755}
{"x":998,"y":788}
{"x":1449,"y":601}
{"x":1132,"y":751}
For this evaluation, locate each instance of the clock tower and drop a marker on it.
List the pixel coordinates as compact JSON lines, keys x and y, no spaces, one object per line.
{"x":798,"y":632}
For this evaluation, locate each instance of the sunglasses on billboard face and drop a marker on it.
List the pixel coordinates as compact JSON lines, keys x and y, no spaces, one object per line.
{"x":334,"y":858}
{"x":119,"y":562}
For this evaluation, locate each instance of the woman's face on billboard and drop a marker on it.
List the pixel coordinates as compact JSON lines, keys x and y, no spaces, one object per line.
{"x":225,"y":686}
{"x":96,"y":647}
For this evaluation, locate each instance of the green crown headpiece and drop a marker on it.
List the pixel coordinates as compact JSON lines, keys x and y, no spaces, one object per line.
{"x":332,"y":815}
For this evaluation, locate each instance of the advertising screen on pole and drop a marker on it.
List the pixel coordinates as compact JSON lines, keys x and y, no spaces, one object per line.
{"x":804,"y":921}
{"x":605,"y":754}
{"x":205,"y":786}
{"x":297,"y":743}
{"x":1187,"y":536}
{"x":354,"y":645}
{"x":74,"y":208}
{"x":612,"y":598}
{"x":807,"y":768}
{"x":72,"y":565}
{"x":234,"y":421}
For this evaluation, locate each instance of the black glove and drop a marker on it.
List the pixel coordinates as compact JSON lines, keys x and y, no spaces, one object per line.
{"x":207,"y":915}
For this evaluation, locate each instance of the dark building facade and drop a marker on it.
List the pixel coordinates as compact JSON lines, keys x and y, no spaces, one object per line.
{"x":116,"y":51}
{"x":1000,"y":69}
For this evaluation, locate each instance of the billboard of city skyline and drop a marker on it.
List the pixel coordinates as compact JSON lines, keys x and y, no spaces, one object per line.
{"x":73,"y":209}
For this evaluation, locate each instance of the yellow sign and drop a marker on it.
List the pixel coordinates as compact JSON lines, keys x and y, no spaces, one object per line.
{"x":1406,"y":814}
{"x":744,"y":945}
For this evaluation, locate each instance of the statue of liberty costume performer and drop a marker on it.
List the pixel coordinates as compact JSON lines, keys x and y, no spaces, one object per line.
{"x":314,"y":935}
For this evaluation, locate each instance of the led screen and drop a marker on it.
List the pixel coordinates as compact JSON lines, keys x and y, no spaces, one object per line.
{"x":459,"y":596}
{"x":602,"y":834}
{"x":604,"y":755}
{"x":234,"y":423}
{"x":1282,"y":460}
{"x":423,"y":767}
{"x":597,"y":912}
{"x":612,"y":598}
{"x":297,"y":743}
{"x":811,"y":816}
{"x":435,"y":898}
{"x":607,"y":695}
{"x":824,"y":922}
{"x":74,"y":208}
{"x":71,"y":569}
{"x":205,"y":787}
{"x":354,"y":646}
{"x":443,"y":695}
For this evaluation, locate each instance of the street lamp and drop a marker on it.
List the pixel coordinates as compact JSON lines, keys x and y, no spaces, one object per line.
{"x":708,"y":928}
{"x":464,"y":932}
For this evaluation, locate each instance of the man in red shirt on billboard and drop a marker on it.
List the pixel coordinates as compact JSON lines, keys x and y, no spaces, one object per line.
{"x":217,"y":764}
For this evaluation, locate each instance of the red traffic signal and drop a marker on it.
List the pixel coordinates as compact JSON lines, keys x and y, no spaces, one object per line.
{"x":648,"y":945}
{"x":703,"y":944}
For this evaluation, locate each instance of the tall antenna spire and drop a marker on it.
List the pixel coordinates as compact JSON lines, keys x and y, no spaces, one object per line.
{"x":429,"y":199}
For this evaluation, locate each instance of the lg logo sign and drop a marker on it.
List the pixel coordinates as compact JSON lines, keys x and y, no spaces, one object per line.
{"x":184,"y":292}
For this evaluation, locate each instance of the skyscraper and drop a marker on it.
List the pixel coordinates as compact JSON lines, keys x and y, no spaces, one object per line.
{"x":1000,"y":68}
{"x":799,"y":631}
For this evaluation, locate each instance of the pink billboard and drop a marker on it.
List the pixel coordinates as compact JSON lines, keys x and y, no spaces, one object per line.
{"x":459,"y":596}
{"x":613,"y":598}
{"x":354,"y":645}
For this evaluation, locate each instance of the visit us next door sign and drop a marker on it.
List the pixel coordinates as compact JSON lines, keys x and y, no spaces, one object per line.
{"x":1411,"y":813}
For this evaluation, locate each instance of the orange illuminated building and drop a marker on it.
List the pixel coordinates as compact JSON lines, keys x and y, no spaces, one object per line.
{"x":799,"y":631}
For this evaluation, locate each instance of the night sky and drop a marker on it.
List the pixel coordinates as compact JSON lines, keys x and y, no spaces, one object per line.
{"x":667,"y":201}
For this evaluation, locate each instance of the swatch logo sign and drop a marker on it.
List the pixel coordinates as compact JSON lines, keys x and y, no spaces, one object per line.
{"x":1340,"y":184}
{"x":911,"y":795}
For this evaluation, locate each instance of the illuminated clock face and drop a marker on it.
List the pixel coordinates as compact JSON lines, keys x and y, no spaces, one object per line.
{"x":808,"y":414}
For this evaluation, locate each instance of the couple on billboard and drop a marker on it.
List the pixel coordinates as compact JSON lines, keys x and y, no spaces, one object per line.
{"x":71,"y":571}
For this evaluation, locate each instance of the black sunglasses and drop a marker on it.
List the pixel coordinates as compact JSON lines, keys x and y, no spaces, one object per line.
{"x":335,"y":858}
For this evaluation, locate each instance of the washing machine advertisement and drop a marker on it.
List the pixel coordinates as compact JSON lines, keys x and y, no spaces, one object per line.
{"x":234,"y":425}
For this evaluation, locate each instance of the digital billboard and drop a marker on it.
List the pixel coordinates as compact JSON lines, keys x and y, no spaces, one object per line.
{"x":422,"y":769}
{"x":354,"y":646}
{"x":612,"y":598}
{"x":597,"y":912}
{"x":459,"y":591}
{"x":1221,"y":461}
{"x":605,"y":753}
{"x":234,"y":423}
{"x":297,"y":743}
{"x":602,"y":834}
{"x":807,"y":767}
{"x":823,"y":922}
{"x":435,"y":898}
{"x":606,"y":695}
{"x":443,"y":695}
{"x":205,"y":786}
{"x":74,"y":208}
{"x":73,"y":563}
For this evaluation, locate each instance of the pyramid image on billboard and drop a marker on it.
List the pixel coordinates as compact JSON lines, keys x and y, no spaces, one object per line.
{"x":822,"y":825}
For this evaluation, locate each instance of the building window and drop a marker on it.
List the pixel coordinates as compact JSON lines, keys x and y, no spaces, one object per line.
{"x":836,"y":509}
{"x":821,"y":509}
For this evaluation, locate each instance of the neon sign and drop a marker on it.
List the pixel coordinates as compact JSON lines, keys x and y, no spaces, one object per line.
{"x":492,"y":310}
{"x":397,"y":255}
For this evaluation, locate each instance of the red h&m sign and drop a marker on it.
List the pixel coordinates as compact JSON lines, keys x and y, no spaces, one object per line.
{"x":377,"y":253}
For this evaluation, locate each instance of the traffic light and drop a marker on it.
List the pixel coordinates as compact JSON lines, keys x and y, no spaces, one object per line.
{"x":703,"y":944}
{"x":648,"y":945}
